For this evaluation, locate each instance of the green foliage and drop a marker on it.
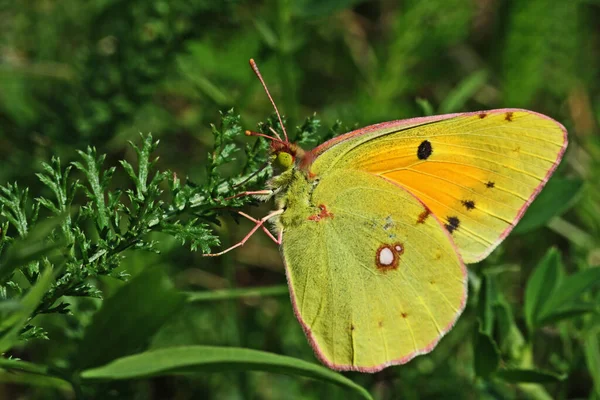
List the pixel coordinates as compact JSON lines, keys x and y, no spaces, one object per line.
{"x":176,"y":360}
{"x":551,"y":296}
{"x":103,"y":231}
{"x":12,"y":324}
{"x":121,"y":220}
{"x":557,"y":197}
{"x":140,"y":320}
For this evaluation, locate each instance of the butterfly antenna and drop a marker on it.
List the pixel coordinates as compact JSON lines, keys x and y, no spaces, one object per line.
{"x":262,"y":81}
{"x":274,"y":132}
{"x":252,"y":133}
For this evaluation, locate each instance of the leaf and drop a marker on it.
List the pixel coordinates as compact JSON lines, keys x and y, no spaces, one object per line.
{"x":28,"y":305}
{"x":486,"y":355}
{"x":32,"y":247}
{"x":558,"y":196}
{"x":529,"y":376}
{"x":540,"y":286}
{"x":426,"y":107}
{"x":190,"y":359}
{"x":129,"y":318}
{"x":456,"y":99}
{"x":570,"y":311}
{"x":41,"y":381}
{"x":228,"y":294}
{"x":97,"y":180}
{"x":592,"y":356}
{"x":485,"y":304}
{"x":18,"y":365}
{"x":568,"y":293}
{"x":510,"y":338}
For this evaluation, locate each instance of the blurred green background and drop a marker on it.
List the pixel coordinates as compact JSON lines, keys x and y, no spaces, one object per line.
{"x":98,"y":72}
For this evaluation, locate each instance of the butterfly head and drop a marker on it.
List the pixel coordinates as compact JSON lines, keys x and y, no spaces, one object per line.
{"x":284,"y":154}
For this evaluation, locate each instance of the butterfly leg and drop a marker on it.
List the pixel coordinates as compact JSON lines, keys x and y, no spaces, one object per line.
{"x":259,"y":223}
{"x":264,"y":228}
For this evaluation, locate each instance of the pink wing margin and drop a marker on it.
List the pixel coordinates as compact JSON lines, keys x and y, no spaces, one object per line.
{"x":412,"y":122}
{"x":400,"y":361}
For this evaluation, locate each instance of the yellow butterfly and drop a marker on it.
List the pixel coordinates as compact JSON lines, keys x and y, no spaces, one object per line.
{"x":375,"y":225}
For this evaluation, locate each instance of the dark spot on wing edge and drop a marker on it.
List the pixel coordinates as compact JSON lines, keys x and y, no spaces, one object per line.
{"x":423,"y":216}
{"x":453,"y":224}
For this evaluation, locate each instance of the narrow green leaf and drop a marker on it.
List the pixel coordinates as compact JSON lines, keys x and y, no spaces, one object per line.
{"x":487,"y":355}
{"x":28,"y":304}
{"x":228,"y":294}
{"x":541,"y":285}
{"x":129,"y":169}
{"x":456,"y":99}
{"x":96,"y":179}
{"x":266,"y":33}
{"x":129,"y":318}
{"x":570,"y":311}
{"x":208,"y":359}
{"x":571,"y":232}
{"x":558,"y":196}
{"x":41,"y":381}
{"x":568,"y":293}
{"x":18,"y":365}
{"x":485,"y":304}
{"x":592,"y":356}
{"x":529,"y":376}
{"x":510,"y":338}
{"x":426,"y":106}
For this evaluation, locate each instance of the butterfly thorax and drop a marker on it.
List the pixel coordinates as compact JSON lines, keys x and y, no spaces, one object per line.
{"x":295,"y":200}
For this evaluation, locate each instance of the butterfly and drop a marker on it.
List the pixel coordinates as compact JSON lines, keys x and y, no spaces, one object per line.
{"x":375,"y":226}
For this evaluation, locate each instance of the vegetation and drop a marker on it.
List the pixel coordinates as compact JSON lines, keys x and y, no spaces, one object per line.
{"x":104,"y":292}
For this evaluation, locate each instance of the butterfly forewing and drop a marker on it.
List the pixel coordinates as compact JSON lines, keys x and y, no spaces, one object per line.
{"x":476,"y":172}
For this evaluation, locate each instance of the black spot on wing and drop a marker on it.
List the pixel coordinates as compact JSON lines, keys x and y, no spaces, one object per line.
{"x":469,"y":204}
{"x":490,"y":185}
{"x":453,"y":224}
{"x":424,"y":150}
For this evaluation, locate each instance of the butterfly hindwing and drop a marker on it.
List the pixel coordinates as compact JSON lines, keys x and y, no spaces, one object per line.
{"x":477,"y":172}
{"x":371,"y":284}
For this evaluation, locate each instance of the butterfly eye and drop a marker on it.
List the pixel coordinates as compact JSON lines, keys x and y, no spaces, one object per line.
{"x":285,"y":159}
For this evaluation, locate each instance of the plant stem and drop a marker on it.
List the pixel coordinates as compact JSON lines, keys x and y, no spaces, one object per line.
{"x":571,"y":232}
{"x":230,"y":294}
